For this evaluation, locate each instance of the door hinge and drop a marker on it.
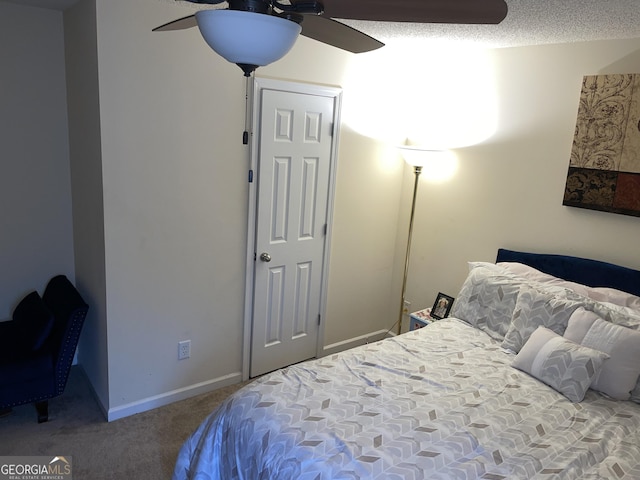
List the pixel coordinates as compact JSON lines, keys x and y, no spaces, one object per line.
{"x":324,"y":229}
{"x":250,"y":176}
{"x":319,"y":319}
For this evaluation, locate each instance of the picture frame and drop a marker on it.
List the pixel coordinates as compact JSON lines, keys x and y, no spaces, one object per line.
{"x":442,"y":306}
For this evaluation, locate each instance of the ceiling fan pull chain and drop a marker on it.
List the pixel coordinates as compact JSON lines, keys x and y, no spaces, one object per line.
{"x":245,"y":134}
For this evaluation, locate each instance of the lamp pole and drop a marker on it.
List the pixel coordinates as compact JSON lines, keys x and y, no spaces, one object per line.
{"x":417,"y":170}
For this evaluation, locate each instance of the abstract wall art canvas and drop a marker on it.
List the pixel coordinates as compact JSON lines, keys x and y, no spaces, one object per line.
{"x":604,"y":168}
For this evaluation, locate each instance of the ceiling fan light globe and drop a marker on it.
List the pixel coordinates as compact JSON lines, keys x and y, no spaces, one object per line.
{"x":247,"y":37}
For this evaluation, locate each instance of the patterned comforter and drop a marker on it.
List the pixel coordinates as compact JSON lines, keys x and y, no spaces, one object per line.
{"x":441,"y":402}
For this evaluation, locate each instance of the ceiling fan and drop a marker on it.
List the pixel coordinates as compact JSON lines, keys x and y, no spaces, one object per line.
{"x":254,"y":33}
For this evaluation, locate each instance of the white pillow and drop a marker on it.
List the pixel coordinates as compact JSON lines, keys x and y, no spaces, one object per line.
{"x":534,"y":275}
{"x":617,"y":297}
{"x":618,"y":315}
{"x":599,"y":294}
{"x":565,"y":366}
{"x":620,"y":373}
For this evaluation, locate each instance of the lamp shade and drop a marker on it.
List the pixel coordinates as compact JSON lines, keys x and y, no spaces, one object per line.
{"x":438,"y":165}
{"x":247,"y":38}
{"x":419,"y":157}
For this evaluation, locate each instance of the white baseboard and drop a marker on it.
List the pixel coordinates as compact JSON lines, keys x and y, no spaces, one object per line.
{"x":355,"y":342}
{"x":173,"y":396}
{"x":163,"y":399}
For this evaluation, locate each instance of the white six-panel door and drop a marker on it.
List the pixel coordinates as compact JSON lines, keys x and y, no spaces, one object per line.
{"x":294,"y":160}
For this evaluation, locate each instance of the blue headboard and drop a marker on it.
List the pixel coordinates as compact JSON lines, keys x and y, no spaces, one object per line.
{"x":592,"y":273}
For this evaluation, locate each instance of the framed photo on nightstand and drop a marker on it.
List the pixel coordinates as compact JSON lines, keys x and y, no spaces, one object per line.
{"x":442,"y":306}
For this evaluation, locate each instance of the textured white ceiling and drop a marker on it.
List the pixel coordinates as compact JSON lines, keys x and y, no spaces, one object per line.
{"x":529,"y":22}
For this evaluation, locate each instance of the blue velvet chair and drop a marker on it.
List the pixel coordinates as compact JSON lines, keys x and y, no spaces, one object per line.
{"x":38,"y":345}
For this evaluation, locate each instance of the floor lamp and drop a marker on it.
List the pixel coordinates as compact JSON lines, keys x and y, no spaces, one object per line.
{"x":417,"y":158}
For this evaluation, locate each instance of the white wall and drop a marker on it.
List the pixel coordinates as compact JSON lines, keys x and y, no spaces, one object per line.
{"x":86,"y":184}
{"x":508,"y":190}
{"x":164,"y":165}
{"x":175,"y":207}
{"x":36,"y":239}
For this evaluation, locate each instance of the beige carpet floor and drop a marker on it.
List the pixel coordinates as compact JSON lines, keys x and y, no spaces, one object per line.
{"x":141,"y":447}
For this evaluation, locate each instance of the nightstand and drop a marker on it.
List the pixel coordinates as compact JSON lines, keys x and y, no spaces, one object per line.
{"x":420,"y":319}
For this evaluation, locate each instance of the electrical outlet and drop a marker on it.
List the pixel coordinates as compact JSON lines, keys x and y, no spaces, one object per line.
{"x":406,"y":306}
{"x":184,"y":349}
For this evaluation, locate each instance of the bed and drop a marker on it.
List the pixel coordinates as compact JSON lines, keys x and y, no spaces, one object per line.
{"x":533,"y":376}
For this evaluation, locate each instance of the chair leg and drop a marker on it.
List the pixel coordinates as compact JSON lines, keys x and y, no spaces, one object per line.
{"x":43,"y":411}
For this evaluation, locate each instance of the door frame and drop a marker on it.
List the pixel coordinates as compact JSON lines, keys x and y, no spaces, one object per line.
{"x":257,"y":85}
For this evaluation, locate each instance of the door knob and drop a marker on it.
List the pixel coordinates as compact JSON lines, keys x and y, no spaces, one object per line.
{"x":265,"y":257}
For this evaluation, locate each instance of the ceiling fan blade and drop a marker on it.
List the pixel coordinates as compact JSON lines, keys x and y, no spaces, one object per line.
{"x":338,"y":34}
{"x":418,"y":11}
{"x":179,"y":24}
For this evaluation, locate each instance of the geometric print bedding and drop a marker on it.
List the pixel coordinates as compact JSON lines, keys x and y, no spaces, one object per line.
{"x":535,"y":308}
{"x":442,"y":402}
{"x":487,"y":300}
